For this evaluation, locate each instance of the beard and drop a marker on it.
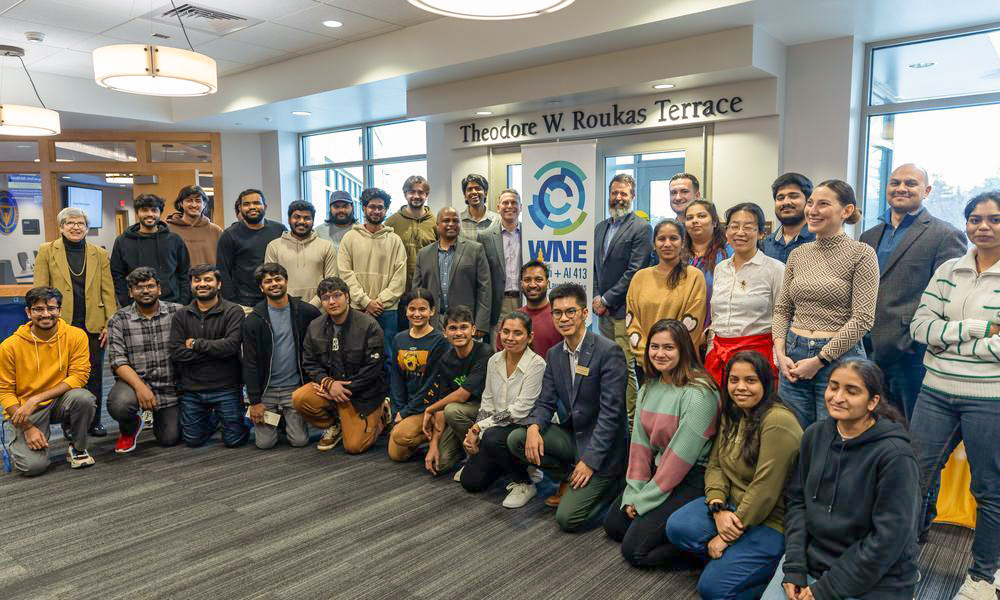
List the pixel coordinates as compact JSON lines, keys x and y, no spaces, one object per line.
{"x":149,"y":304}
{"x":377,"y":220}
{"x":619,"y":211}
{"x":342,"y":219}
{"x":206,"y":294}
{"x":253,"y":220}
{"x":792,"y":220}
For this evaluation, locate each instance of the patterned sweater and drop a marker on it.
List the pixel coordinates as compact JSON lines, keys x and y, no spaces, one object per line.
{"x":673,"y":431}
{"x":649,"y":300}
{"x":830,"y":285}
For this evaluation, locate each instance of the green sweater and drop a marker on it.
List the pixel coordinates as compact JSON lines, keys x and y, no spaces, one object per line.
{"x":757,"y":493}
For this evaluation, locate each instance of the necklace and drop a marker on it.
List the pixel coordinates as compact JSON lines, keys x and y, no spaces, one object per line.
{"x":82,"y":269}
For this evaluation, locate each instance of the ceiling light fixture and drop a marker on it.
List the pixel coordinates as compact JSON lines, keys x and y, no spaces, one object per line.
{"x":994,"y":37}
{"x":18,"y":119}
{"x":301,"y":113}
{"x":921,"y":65}
{"x":484,"y":112}
{"x":663,"y":86}
{"x":156,"y":70}
{"x":491,"y":10}
{"x":332,"y":24}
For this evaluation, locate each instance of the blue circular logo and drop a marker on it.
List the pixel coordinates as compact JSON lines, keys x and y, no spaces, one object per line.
{"x":569,"y":215}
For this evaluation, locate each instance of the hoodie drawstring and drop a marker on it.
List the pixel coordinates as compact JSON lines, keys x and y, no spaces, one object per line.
{"x":836,"y":477}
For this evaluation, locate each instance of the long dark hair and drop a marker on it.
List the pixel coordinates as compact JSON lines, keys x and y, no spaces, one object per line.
{"x":689,"y":370}
{"x":718,"y":242}
{"x":732,"y":414}
{"x":679,"y":271}
{"x":874,"y":382}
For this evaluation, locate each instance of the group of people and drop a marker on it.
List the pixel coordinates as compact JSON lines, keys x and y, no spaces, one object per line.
{"x":774,"y":407}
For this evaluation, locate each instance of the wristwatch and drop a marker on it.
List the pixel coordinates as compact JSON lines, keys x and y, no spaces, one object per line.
{"x":826,"y":362}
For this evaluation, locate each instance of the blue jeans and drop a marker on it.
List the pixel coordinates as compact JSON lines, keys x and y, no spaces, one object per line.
{"x":743,"y":569}
{"x":389,"y":322}
{"x":940,"y":421}
{"x":904,"y":373}
{"x":805,"y":397}
{"x":197,"y":409}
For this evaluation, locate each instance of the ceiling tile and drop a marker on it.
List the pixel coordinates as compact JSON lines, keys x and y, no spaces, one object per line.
{"x":311,"y":20}
{"x":80,"y":16}
{"x":398,"y":12}
{"x":140,"y":31}
{"x":279,"y":37}
{"x":231,"y":50}
{"x":54,"y":36}
{"x":32,"y":53}
{"x":320,"y":47}
{"x":66,"y":62}
{"x":373,"y":32}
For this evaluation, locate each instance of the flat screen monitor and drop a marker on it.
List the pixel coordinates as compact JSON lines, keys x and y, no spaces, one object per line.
{"x":90,"y":200}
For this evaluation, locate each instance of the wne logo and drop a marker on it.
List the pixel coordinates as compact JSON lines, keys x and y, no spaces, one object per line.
{"x":569,"y":214}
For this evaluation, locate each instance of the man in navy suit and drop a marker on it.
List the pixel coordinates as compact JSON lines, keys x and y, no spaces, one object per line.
{"x":582,"y":388}
{"x":622,"y":245}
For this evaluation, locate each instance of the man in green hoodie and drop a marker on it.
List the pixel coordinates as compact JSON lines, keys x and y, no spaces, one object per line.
{"x":414,"y":223}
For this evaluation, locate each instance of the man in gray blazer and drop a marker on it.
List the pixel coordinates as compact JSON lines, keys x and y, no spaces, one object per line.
{"x":622,"y":245}
{"x":503,"y":252}
{"x":455,"y":270}
{"x":911,"y":245}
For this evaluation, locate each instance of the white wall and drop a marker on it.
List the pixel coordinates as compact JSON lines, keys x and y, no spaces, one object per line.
{"x":280,"y":172}
{"x":241,"y":169}
{"x":744,"y":162}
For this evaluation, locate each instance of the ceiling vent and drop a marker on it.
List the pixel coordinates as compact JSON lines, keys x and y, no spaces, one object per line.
{"x":201,"y":18}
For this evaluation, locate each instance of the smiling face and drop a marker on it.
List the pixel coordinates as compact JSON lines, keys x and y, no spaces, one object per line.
{"x":825,"y":215}
{"x":668,"y":243}
{"x":341,"y":212}
{"x":145,"y":293}
{"x":698,"y":221}
{"x":74,"y":229}
{"x":620,"y":199}
{"x":682,"y":193}
{"x":475,"y":195}
{"x":205,"y":286}
{"x":514,"y":336}
{"x":193,"y":206}
{"x":983,"y":225}
{"x":846,"y":397}
{"x":569,"y":317}
{"x":509,"y":208}
{"x":419,"y":312}
{"x":252,"y":208}
{"x":459,"y":333}
{"x":663,"y":352}
{"x":301,"y":222}
{"x":375,"y":211}
{"x":790,"y":205}
{"x":416,"y":197}
{"x":274,"y":286}
{"x":744,"y":385}
{"x":44,"y":314}
{"x":742,"y":231}
{"x":906,"y":189}
{"x":534,"y":285}
{"x":148,"y":216}
{"x":448,"y":224}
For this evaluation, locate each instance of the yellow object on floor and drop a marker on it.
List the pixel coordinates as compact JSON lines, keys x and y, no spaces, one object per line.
{"x":955,"y":503}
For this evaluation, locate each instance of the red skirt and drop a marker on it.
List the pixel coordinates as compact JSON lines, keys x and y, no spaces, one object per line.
{"x":724,"y":348}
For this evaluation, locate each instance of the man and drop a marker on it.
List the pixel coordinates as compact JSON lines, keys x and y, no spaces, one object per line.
{"x":583,"y":385}
{"x":622,"y":245}
{"x":454,"y":399}
{"x":414,"y":223}
{"x":272,"y":353}
{"x":241,"y":249}
{"x":790,"y":192}
{"x":43,"y":368}
{"x":204,"y":344}
{"x":535,"y":287}
{"x":343,"y":362}
{"x":149,"y":243}
{"x":684,"y":189}
{"x":200,"y":234}
{"x":503,"y":253}
{"x":306,"y":257}
{"x":139,"y":335}
{"x":341,"y":219}
{"x":456,"y":271}
{"x":910,"y":245}
{"x":476,"y":217}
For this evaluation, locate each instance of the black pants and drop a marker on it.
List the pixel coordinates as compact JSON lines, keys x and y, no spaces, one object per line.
{"x":492,"y":461}
{"x":96,"y":379}
{"x":644,"y":539}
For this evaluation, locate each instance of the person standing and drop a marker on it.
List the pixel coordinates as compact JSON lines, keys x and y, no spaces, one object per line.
{"x":149,"y":243}
{"x":306,"y":257}
{"x":790,"y":192}
{"x":535,"y":289}
{"x":200,"y":234}
{"x":414,"y":222}
{"x":706,"y":244}
{"x":341,"y":219}
{"x":503,"y":253}
{"x":623,"y":243}
{"x":82,"y":274}
{"x":477,"y":216}
{"x":684,"y":189}
{"x":242,"y":247}
{"x":910,"y":245}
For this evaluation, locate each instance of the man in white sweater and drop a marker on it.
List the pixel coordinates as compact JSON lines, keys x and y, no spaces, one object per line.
{"x":372,"y":261}
{"x":307,"y":257}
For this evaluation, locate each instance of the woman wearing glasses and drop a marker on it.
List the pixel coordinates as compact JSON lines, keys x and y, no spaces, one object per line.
{"x":746,"y":288}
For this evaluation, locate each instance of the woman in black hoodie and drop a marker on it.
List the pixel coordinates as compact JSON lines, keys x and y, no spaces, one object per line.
{"x":853,"y":501}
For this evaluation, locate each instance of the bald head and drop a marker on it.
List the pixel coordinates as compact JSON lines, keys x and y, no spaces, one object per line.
{"x":448,"y":224}
{"x":906,"y":189}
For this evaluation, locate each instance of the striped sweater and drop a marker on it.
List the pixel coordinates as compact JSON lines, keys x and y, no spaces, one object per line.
{"x":673,"y":431}
{"x":953,"y":319}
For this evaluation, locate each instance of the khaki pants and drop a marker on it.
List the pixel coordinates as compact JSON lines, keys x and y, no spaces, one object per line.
{"x":614,"y":329}
{"x":407,"y":436}
{"x":359,"y":434}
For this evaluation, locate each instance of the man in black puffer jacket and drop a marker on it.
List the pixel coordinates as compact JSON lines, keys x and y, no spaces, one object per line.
{"x":149,"y":243}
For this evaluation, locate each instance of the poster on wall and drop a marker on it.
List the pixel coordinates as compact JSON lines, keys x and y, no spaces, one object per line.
{"x":559,"y":209}
{"x":23,"y":189}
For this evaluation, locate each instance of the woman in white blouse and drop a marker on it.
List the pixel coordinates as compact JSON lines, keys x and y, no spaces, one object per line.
{"x":513,"y":383}
{"x":745,"y":288}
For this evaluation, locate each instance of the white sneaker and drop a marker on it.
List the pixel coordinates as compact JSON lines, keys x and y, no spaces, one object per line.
{"x":458,"y":474}
{"x":332,"y":436}
{"x":535,"y":474}
{"x":520,"y":494}
{"x":996,"y":579}
{"x":976,"y":590}
{"x":78,"y":458}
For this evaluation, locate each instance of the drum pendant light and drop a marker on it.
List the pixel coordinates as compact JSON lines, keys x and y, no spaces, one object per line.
{"x":491,"y":10}
{"x":17,"y":119}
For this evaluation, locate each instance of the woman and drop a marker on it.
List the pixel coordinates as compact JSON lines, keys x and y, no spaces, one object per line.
{"x":82,"y":273}
{"x":853,"y":499}
{"x":513,"y":383}
{"x":959,"y":320}
{"x":669,"y":290}
{"x":706,"y":244}
{"x":738,"y":522}
{"x":677,"y":409}
{"x":827,"y":301}
{"x":746,"y":288}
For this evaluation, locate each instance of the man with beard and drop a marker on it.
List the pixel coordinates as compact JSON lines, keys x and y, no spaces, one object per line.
{"x":204,"y":344}
{"x":341,"y":219}
{"x":149,"y":243}
{"x":43,"y":368}
{"x":456,"y":271}
{"x":200,"y":235}
{"x":477,"y":217}
{"x":306,"y":256}
{"x":684,"y":189}
{"x":535,"y":287}
{"x":372,"y":261}
{"x":790,"y":192}
{"x":414,"y":223}
{"x":139,"y":335}
{"x":272,"y":351}
{"x":503,"y":252}
{"x":241,"y":249}
{"x":622,"y":244}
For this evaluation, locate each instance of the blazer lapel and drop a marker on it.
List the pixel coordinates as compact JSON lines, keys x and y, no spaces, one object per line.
{"x":586,"y":353}
{"x":59,"y":254}
{"x":599,"y":233}
{"x":626,"y":221}
{"x":460,"y":247}
{"x":91,"y":267}
{"x":916,"y":229}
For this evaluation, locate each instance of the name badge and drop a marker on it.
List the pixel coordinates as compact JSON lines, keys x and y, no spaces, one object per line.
{"x":582,"y":370}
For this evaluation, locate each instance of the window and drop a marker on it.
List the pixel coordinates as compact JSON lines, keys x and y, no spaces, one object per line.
{"x":934,"y":102}
{"x":381,"y":156}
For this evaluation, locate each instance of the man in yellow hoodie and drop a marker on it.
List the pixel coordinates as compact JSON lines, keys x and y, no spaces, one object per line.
{"x":43,"y":368}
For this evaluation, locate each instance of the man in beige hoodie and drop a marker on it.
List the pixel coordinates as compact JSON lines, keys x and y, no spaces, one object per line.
{"x":200,"y":235}
{"x":307,"y":257}
{"x":372,"y":261}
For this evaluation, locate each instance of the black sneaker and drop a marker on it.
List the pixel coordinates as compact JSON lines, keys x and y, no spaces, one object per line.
{"x":98,"y":430}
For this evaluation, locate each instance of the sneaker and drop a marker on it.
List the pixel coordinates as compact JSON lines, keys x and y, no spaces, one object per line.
{"x":97,"y":430}
{"x":127,"y":443}
{"x":458,"y":474}
{"x":78,"y":458}
{"x":553,"y":500}
{"x":996,"y":579}
{"x":331,"y":437}
{"x":976,"y":590}
{"x":535,"y":474}
{"x":520,"y":494}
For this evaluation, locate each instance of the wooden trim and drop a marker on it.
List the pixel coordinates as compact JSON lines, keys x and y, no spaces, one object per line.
{"x":15,"y":290}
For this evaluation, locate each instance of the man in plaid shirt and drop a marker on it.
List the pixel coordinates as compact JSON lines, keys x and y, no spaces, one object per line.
{"x":138,"y":336}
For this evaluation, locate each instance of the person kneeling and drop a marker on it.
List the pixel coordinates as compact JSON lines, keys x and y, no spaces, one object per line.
{"x":343,"y":362}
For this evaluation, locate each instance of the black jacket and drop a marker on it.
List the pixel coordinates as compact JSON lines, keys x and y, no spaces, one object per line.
{"x":164,"y":251}
{"x":214,"y":362}
{"x":258,"y":343}
{"x":356,"y":355}
{"x":851,"y":516}
{"x":239,"y":252}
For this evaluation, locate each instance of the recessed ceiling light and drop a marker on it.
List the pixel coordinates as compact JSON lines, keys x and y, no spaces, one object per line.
{"x":301,"y":113}
{"x":332,"y":23}
{"x":663,"y":86}
{"x":921,"y":65}
{"x":484,"y":112}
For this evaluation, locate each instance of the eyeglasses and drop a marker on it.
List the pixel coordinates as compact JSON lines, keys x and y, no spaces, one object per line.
{"x":332,"y":296}
{"x":41,"y":310}
{"x":569,"y":313}
{"x":75,"y":224}
{"x":745,"y":227}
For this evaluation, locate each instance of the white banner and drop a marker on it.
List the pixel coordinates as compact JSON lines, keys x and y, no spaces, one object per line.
{"x":560,"y":204}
